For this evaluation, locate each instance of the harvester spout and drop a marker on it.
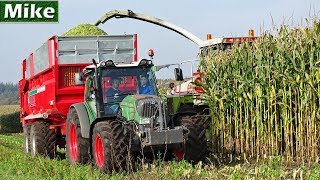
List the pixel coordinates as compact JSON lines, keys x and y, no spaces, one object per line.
{"x":150,"y":19}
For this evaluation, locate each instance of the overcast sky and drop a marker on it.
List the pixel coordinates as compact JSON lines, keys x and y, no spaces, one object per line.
{"x":220,"y":18}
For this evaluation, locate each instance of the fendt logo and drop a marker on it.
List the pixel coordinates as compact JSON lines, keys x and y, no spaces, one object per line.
{"x":29,"y":11}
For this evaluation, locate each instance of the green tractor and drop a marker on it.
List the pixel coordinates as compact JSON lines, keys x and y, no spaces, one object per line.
{"x":123,"y":116}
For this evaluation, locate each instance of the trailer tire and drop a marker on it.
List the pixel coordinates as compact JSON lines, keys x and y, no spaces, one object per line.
{"x":77,"y":146}
{"x":195,"y":147}
{"x":26,"y":141}
{"x":110,"y":147}
{"x":51,"y":145}
{"x":43,"y":139}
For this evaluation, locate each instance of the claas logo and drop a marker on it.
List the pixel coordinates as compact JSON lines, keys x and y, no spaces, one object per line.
{"x":29,"y":11}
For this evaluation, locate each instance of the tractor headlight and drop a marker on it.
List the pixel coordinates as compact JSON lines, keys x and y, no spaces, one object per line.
{"x":145,"y":121}
{"x":110,"y":63}
{"x":103,"y":64}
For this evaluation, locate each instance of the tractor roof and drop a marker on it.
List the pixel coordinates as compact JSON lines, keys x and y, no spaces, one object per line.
{"x":110,"y":63}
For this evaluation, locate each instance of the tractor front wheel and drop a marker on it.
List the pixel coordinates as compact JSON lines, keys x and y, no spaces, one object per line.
{"x":110,"y":147}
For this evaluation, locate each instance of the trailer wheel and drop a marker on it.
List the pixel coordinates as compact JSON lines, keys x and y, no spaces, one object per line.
{"x":77,"y":146}
{"x":195,"y":147}
{"x":43,"y":139}
{"x":110,"y":146}
{"x":27,"y":143}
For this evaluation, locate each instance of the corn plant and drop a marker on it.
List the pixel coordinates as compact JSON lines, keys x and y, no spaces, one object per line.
{"x":264,"y":96}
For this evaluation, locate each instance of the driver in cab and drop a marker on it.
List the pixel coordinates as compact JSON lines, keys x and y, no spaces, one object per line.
{"x":113,"y":94}
{"x":145,"y":86}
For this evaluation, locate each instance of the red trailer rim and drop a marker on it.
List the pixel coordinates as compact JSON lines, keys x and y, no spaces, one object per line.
{"x":99,"y":151}
{"x":73,"y":142}
{"x":179,"y":154}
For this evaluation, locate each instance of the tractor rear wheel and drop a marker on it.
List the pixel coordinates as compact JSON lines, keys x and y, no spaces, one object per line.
{"x":110,"y":147}
{"x":26,"y":141}
{"x":77,"y":146}
{"x":195,"y":147}
{"x":43,"y":139}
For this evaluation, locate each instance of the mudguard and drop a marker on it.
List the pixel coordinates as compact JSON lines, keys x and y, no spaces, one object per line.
{"x":83,"y":118}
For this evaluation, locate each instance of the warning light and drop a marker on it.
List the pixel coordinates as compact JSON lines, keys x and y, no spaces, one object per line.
{"x":151,"y":53}
{"x":251,"y":33}
{"x":209,"y":36}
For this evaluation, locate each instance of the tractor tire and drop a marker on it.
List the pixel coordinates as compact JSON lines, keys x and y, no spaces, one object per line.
{"x":78,"y":148}
{"x":43,"y":139}
{"x":110,"y":147}
{"x":26,"y":141}
{"x":195,"y":147}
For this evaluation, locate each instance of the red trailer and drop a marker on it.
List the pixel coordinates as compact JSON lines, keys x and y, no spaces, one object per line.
{"x":47,"y":88}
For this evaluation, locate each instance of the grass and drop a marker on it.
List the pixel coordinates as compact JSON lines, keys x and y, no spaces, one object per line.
{"x":18,"y":165}
{"x":15,"y":164}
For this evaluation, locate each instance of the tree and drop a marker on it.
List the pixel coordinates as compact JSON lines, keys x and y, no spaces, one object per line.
{"x":8,"y":93}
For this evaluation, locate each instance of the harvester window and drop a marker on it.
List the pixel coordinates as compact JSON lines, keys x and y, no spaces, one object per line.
{"x":207,"y":50}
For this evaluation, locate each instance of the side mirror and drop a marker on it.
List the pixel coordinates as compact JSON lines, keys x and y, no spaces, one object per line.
{"x":178,"y":74}
{"x":78,"y":79}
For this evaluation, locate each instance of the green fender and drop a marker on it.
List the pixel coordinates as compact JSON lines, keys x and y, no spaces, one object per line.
{"x":83,"y":118}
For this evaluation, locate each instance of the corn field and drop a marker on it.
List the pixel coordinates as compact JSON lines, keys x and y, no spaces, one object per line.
{"x":264,"y":96}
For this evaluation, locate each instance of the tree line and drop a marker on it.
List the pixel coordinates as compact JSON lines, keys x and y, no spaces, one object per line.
{"x":8,"y":93}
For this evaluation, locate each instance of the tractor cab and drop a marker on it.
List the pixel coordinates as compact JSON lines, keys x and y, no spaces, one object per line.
{"x":109,"y":83}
